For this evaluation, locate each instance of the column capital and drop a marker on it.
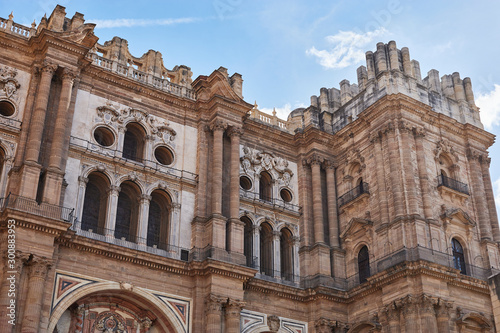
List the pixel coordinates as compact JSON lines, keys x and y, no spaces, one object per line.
{"x":419,"y":132}
{"x":375,"y":137}
{"x":404,"y":126}
{"x":82,"y":181}
{"x":329,"y":164}
{"x":69,"y":74}
{"x":409,"y":305}
{"x":315,"y":159}
{"x":276,"y":234}
{"x":323,"y":325}
{"x":391,"y":312}
{"x":114,"y":190}
{"x":427,"y":304}
{"x":443,"y":308}
{"x":473,"y":154}
{"x":218,"y":125}
{"x":122,"y":129}
{"x":145,"y":198}
{"x":48,"y":67}
{"x":214,"y":303}
{"x":39,"y":266}
{"x":235,"y":131}
{"x":234,"y":307}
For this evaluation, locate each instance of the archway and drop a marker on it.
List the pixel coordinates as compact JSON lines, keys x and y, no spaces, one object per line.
{"x":117,"y":306}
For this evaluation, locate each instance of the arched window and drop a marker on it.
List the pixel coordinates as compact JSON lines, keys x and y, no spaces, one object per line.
{"x":265,"y":186}
{"x":159,"y":219}
{"x":133,"y":142}
{"x":248,"y":241}
{"x":127,"y":212}
{"x":95,"y":203}
{"x":286,"y":255}
{"x":266,"y":249}
{"x":363,"y":264}
{"x":458,"y":256}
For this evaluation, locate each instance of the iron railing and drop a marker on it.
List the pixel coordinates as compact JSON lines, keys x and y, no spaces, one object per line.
{"x":353,"y":194}
{"x":148,"y":165}
{"x":453,"y":184}
{"x":43,"y":209}
{"x":398,"y":257}
{"x":277,"y":203}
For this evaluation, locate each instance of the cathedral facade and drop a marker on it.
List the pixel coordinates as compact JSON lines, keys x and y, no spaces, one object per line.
{"x":136,"y":199}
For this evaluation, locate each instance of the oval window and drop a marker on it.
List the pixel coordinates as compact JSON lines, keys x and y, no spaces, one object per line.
{"x":286,"y":195}
{"x":6,"y":109}
{"x":164,"y":155}
{"x":104,"y":136}
{"x":245,"y":183}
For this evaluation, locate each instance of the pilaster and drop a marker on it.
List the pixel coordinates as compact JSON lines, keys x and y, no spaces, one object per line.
{"x":38,"y":268}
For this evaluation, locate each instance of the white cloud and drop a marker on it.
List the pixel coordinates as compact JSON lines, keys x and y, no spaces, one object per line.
{"x":347,"y":48}
{"x":490,"y":107}
{"x":118,"y":23}
{"x":284,"y":111}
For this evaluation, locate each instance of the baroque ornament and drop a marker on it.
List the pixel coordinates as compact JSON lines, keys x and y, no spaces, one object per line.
{"x":254,"y":161}
{"x":8,"y":84}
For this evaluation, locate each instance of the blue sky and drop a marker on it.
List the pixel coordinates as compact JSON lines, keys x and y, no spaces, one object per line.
{"x":287,"y":50}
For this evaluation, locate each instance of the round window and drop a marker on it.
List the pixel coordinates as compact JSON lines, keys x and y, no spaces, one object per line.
{"x":286,"y":195}
{"x":104,"y":136}
{"x":6,"y":109}
{"x":164,"y":155}
{"x":245,"y":183}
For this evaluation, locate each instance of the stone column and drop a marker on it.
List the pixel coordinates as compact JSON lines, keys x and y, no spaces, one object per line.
{"x":173,"y":233}
{"x":490,"y":199}
{"x":422,"y":172}
{"x":443,"y":316}
{"x":428,"y":315}
{"x":333,"y":221}
{"x":33,"y":307}
{"x":218,"y":128}
{"x":479,"y":194}
{"x":80,"y":201}
{"x":277,"y":254}
{"x":233,"y":310}
{"x":408,"y":169}
{"x":256,"y":245}
{"x":142,"y":228}
{"x":380,"y":173}
{"x":38,"y":118}
{"x":213,"y":313}
{"x":236,"y":227}
{"x":315,"y":162}
{"x":7,"y":166}
{"x":113,"y":193}
{"x":305,"y":185}
{"x":13,"y":267}
{"x":296,"y":263}
{"x":61,"y":120}
{"x":395,"y":170}
{"x":392,"y":314}
{"x":410,"y":314}
{"x":121,"y":139}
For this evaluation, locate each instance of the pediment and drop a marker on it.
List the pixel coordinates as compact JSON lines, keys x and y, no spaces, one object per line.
{"x":458,"y":216}
{"x":356,"y":224}
{"x":217,"y":84}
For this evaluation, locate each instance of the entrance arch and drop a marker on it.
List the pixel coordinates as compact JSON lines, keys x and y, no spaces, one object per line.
{"x":131,"y":300}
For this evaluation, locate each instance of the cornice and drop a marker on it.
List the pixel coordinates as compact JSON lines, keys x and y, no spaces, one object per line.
{"x":95,"y":72}
{"x":27,"y":220}
{"x":123,"y":254}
